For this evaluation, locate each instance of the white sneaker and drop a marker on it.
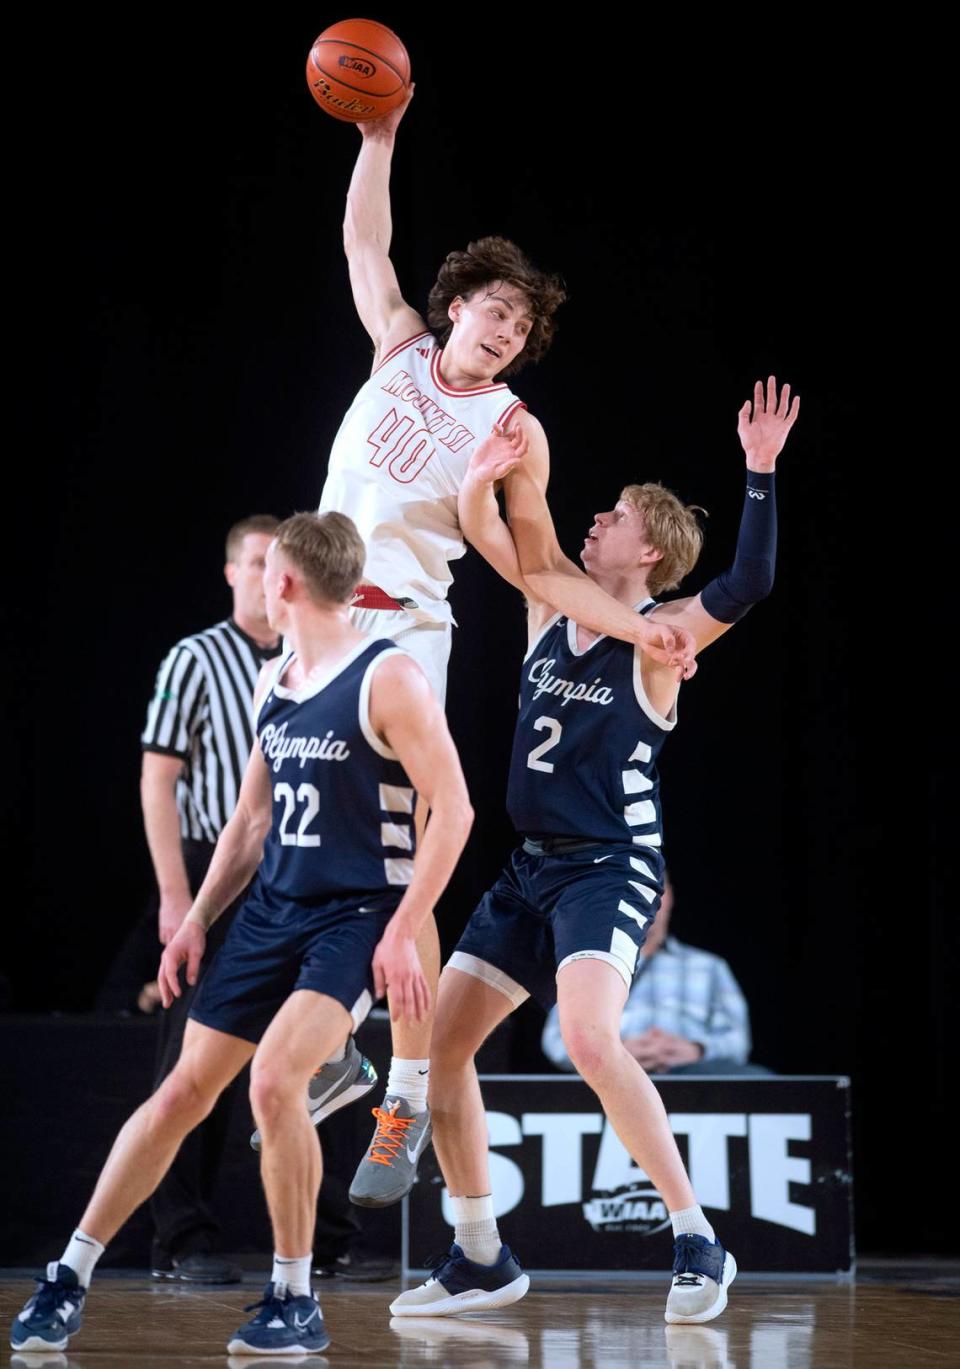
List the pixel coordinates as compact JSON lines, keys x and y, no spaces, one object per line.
{"x":702,"y":1273}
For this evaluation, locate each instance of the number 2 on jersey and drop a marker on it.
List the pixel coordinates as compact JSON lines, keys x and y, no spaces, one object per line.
{"x":533,"y":760}
{"x":283,"y":793}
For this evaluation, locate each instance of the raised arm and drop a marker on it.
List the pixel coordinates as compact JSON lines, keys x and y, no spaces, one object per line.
{"x":555,"y":580}
{"x":763,"y":432}
{"x":406,"y":715}
{"x":367,"y":230}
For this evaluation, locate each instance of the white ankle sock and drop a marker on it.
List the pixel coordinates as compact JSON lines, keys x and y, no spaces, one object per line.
{"x":291,"y":1275}
{"x":690,"y":1221}
{"x":81,"y":1256}
{"x":335,"y":1057}
{"x":476,"y":1229}
{"x":408,"y":1079}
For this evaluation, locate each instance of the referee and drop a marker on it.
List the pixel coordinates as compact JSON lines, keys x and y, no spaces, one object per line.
{"x":196,"y":744}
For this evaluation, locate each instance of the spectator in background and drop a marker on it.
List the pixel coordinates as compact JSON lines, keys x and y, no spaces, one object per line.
{"x":685,"y":1013}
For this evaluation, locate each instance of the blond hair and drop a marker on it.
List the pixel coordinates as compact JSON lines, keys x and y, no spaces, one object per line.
{"x":328,"y":552}
{"x":672,"y":528}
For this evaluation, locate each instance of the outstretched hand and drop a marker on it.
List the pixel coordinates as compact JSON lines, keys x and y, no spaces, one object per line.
{"x":498,"y":454}
{"x":762,"y":436}
{"x":386,"y":127}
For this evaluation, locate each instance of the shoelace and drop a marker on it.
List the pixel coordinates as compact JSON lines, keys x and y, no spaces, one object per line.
{"x":687,"y":1280}
{"x":437,"y":1263}
{"x":389,"y":1137}
{"x":47,"y":1297}
{"x":271,"y":1307}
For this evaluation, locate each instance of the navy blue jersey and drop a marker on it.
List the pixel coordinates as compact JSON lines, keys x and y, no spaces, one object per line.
{"x":342,"y":803}
{"x":587,"y":741}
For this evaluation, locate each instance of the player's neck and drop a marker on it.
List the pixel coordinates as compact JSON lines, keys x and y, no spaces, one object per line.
{"x":454,"y":375}
{"x":629,"y":589}
{"x":319,"y":637}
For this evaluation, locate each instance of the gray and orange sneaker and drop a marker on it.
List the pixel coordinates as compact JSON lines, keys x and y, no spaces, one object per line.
{"x":388,"y":1170}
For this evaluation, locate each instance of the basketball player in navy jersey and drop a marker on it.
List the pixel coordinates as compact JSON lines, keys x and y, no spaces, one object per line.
{"x":347,"y":731}
{"x":567,"y":918}
{"x":396,"y":466}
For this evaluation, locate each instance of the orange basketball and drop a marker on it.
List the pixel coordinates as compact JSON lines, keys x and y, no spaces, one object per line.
{"x":358,"y":69}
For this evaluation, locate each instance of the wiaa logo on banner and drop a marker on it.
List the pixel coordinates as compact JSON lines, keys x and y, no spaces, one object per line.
{"x":633,"y":1208}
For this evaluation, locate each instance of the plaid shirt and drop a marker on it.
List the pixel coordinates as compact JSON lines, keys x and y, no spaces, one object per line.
{"x":682,"y":990}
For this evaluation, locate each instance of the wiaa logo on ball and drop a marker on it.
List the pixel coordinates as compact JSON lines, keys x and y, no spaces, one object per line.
{"x":357,"y":64}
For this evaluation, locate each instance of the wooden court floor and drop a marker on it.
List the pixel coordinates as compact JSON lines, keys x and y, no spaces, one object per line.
{"x":889,"y":1319}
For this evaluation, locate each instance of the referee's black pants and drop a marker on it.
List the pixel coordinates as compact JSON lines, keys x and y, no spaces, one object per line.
{"x":182,"y":1209}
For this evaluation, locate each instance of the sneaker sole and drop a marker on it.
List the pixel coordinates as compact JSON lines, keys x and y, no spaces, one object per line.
{"x":368,"y":1200}
{"x":717,"y":1306}
{"x":342,"y":1100}
{"x":326,"y":1110}
{"x":474,"y":1300}
{"x":240,"y":1347}
{"x":35,"y":1343}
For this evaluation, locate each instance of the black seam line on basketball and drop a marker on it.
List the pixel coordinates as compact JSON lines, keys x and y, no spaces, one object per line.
{"x":359,"y":90}
{"x":345,"y":43}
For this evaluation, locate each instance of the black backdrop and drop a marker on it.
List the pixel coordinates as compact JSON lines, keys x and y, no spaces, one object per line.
{"x":719,"y":209}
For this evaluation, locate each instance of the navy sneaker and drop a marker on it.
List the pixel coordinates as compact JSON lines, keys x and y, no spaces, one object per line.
{"x":53,"y":1314}
{"x":702,"y":1273}
{"x":283,"y":1326}
{"x":458,"y":1285}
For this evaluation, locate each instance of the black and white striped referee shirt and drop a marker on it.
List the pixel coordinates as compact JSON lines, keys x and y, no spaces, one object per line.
{"x":201,"y":711}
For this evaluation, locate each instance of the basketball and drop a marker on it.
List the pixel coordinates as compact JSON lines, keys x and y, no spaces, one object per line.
{"x":358,"y":69}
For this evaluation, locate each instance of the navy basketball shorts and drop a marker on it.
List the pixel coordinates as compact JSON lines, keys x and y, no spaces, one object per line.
{"x":595,"y":903}
{"x":272,"y":950}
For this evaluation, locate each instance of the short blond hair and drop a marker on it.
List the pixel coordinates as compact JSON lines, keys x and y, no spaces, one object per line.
{"x":328,"y":552}
{"x":672,"y":528}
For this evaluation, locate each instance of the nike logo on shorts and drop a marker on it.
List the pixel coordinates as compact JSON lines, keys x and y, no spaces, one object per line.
{"x":598,"y":859}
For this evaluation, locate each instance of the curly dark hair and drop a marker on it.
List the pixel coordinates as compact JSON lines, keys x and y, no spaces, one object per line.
{"x":490,"y":261}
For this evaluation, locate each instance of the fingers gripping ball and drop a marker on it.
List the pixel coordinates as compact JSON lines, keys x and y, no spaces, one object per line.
{"x":358,"y":70}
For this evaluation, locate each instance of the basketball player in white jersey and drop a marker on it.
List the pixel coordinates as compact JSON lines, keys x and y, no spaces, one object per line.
{"x":436,"y":394}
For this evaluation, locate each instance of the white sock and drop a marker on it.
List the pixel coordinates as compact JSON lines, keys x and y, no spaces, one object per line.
{"x":408,"y":1079}
{"x":291,"y":1275}
{"x":690,"y":1221}
{"x":81,"y":1256}
{"x":335,"y":1057}
{"x":476,"y":1230}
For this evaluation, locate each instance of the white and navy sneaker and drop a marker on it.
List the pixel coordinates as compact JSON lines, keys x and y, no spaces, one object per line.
{"x":53,"y":1314}
{"x":702,"y":1273}
{"x":458,"y":1285}
{"x":285,"y":1325}
{"x":335,"y":1085}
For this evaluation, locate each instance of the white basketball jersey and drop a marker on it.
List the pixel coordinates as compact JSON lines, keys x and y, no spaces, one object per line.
{"x":397,"y":464}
